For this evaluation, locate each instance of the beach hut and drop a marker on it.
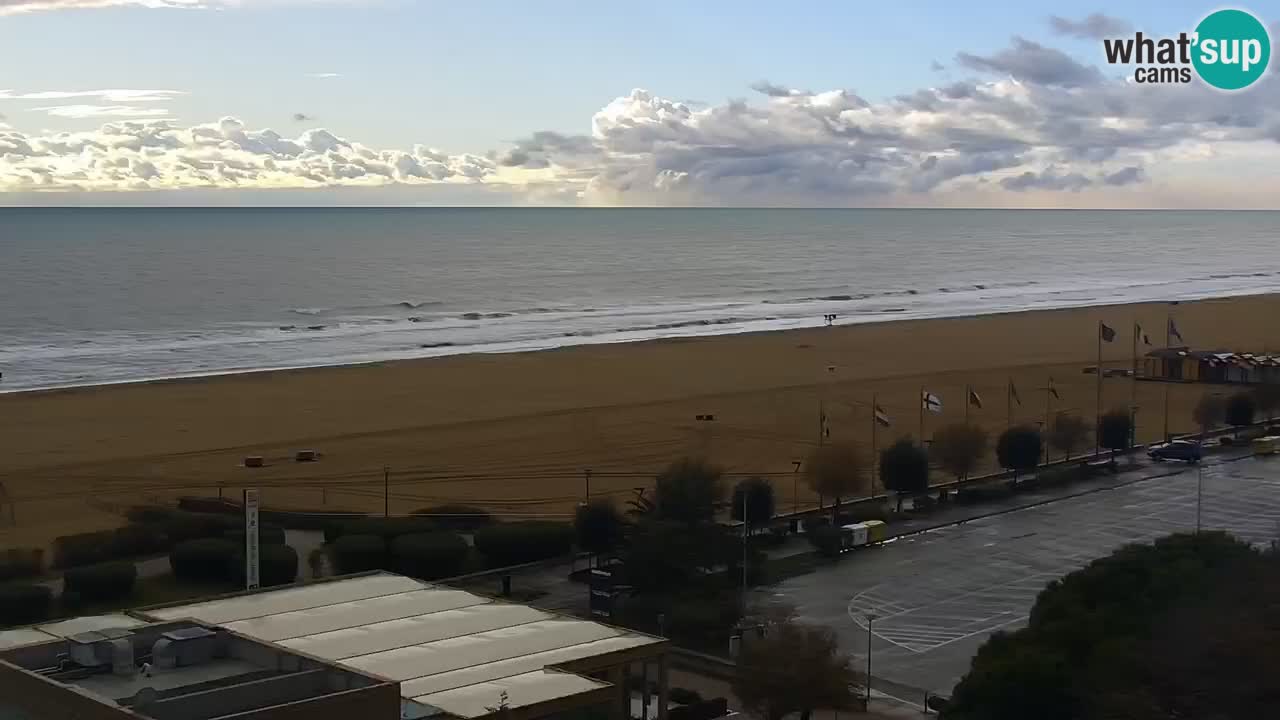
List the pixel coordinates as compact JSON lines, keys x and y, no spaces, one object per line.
{"x":1175,"y":363}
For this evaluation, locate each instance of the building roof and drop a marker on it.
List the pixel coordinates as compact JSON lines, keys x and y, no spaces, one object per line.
{"x":449,"y":649}
{"x":64,"y":628}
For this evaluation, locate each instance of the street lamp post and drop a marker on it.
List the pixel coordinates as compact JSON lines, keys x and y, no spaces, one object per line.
{"x":871,"y":617}
{"x":1199,"y":492}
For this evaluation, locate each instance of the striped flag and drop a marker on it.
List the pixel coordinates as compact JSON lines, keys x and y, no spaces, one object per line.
{"x":974,"y":399}
{"x":930,"y":402}
{"x":1108,"y":333}
{"x":1053,"y":390}
{"x":882,"y":417}
{"x":1013,"y":392}
{"x":1173,"y":331}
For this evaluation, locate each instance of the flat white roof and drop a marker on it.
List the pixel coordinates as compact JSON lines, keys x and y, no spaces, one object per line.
{"x":64,"y":628}
{"x":448,"y":648}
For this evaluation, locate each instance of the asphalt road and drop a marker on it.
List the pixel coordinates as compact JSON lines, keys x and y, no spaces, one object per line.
{"x":936,"y":597}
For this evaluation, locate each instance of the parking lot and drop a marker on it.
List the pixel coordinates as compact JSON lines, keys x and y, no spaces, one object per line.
{"x":934,"y":598}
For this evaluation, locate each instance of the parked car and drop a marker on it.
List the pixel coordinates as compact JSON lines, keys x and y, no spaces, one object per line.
{"x":1183,"y":450}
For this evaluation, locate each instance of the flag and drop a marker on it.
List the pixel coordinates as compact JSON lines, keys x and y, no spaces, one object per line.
{"x":1053,"y":390}
{"x":974,"y":399}
{"x":882,"y":417}
{"x":1173,"y":331}
{"x":930,"y":402}
{"x":1108,"y":333}
{"x":822,"y":425}
{"x":1146,"y":339}
{"x":1013,"y":392}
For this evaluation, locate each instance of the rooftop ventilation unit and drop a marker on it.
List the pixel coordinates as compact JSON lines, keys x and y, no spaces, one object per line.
{"x":187,"y":646}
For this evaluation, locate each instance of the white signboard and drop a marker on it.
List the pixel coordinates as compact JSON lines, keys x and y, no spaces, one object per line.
{"x":251,"y":539}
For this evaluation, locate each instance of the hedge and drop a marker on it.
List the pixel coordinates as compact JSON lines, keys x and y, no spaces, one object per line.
{"x":83,"y":548}
{"x":826,"y":540}
{"x":277,"y":565}
{"x":182,"y":526}
{"x":267,"y":535}
{"x":203,"y":559}
{"x":384,"y":527}
{"x":18,"y":563}
{"x":289,"y":519}
{"x":101,"y":583}
{"x":430,"y":556}
{"x":358,"y":553}
{"x":24,"y":604}
{"x":457,"y":517}
{"x":522,"y":542}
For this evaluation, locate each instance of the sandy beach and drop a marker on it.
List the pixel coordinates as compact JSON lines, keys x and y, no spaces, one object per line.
{"x":518,"y":432}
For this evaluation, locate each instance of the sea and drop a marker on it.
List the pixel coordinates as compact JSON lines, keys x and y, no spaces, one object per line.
{"x":109,"y":295}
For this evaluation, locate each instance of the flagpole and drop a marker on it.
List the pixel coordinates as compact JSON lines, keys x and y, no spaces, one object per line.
{"x":1168,"y":325}
{"x":968,"y":400}
{"x":1008,"y":400}
{"x":874,"y":457}
{"x":1048,"y":393}
{"x":921,"y":416}
{"x":1097,"y":407}
{"x":1133,"y":389}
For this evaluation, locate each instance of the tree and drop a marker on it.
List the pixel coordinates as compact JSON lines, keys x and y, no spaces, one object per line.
{"x":665,"y":556}
{"x":793,"y":668}
{"x":1240,"y":410}
{"x":1018,"y":449}
{"x":1209,"y":412}
{"x":1067,"y":434}
{"x":958,"y":448}
{"x":904,"y":468}
{"x":1267,"y":399}
{"x":759,"y":502}
{"x":598,"y":526}
{"x":688,"y":491}
{"x":1181,"y":628}
{"x":836,"y":470}
{"x":1113,"y":430}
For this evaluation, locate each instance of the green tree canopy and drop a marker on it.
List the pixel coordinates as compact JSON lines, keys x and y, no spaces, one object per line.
{"x":958,"y":448}
{"x":1113,"y":430}
{"x":1240,"y":409}
{"x":689,"y":491}
{"x":1267,"y":398}
{"x":598,"y":526}
{"x":793,"y":668}
{"x":1068,"y":433}
{"x":1018,"y":448}
{"x":665,"y":556}
{"x":836,"y":471}
{"x":756,"y":494}
{"x":904,"y":467}
{"x":1209,"y":412}
{"x":1153,"y":631}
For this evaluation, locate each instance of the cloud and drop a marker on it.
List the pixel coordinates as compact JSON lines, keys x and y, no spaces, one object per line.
{"x":302,"y":117}
{"x":1040,"y":126}
{"x":937,"y":66}
{"x":1032,"y":62}
{"x":1093,"y":27}
{"x":90,"y":111}
{"x":115,"y":96}
{"x":324,"y":75}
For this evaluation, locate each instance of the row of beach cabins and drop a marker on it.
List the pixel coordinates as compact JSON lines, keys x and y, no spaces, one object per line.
{"x":1182,"y":364}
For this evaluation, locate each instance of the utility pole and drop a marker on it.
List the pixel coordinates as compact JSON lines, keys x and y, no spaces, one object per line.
{"x":745,"y":492}
{"x":1168,"y":325}
{"x":586,"y":479}
{"x":874,"y":464}
{"x":1097,"y":407}
{"x":795,"y":488}
{"x":386,"y":491}
{"x":1133,"y":388}
{"x":871,"y":617}
{"x":1048,"y":399}
{"x":920,"y":399}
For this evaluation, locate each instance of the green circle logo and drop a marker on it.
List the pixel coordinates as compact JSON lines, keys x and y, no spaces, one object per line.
{"x":1232,"y":49}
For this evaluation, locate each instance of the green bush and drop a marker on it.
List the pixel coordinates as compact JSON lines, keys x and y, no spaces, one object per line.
{"x":522,"y":542}
{"x":148,"y":514}
{"x":204,"y":559}
{"x":358,"y":553}
{"x":825,"y":540}
{"x":463,"y":518}
{"x":83,"y":548}
{"x":101,"y":583}
{"x":277,"y":565}
{"x":702,"y":621}
{"x":430,"y":556}
{"x":134,"y":540}
{"x":385,"y":528}
{"x":16,"y":563}
{"x":183,"y":526}
{"x":24,"y":604}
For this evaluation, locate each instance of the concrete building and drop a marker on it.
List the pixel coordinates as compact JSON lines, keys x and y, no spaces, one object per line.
{"x":445,"y":652}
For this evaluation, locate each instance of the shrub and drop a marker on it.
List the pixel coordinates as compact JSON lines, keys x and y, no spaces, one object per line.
{"x":358,"y":553}
{"x":521,"y":542}
{"x":384,"y":527}
{"x":1113,"y":430}
{"x":101,"y":583}
{"x":756,"y":496}
{"x":203,"y":559}
{"x":183,"y":526}
{"x":598,"y":526}
{"x":1019,"y":448}
{"x":430,"y":556}
{"x":267,"y":535}
{"x":82,"y":548}
{"x":826,"y":540}
{"x":457,"y":517}
{"x":702,"y":621}
{"x":904,"y":467}
{"x":810,"y":522}
{"x":18,"y":563}
{"x":684,"y":696}
{"x":1240,"y":409}
{"x":145,"y":514}
{"x":24,"y":604}
{"x":133,"y":540}
{"x":277,"y":565}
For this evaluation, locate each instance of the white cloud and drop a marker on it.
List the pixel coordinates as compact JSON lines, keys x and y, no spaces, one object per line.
{"x":90,"y":111}
{"x":115,"y":96}
{"x":324,"y":75}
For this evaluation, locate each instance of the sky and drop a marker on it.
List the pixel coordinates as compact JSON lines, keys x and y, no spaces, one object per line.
{"x":910,"y":103}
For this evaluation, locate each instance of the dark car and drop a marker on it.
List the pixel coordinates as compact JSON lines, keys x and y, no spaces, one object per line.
{"x":1187,"y":452}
